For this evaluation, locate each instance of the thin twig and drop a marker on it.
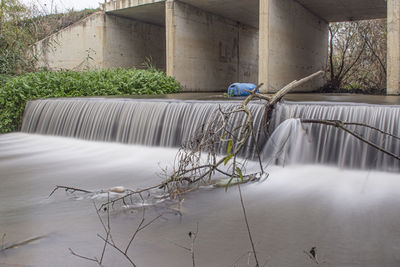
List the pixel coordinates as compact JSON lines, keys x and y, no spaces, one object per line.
{"x":192,"y":246}
{"x":83,"y":257}
{"x":24,"y":242}
{"x":248,"y":226}
{"x":341,"y":125}
{"x":137,"y":230}
{"x":68,"y":188}
{"x":373,"y":128}
{"x":118,"y":249}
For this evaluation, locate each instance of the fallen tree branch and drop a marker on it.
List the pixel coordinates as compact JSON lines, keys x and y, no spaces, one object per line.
{"x":68,"y":189}
{"x":373,"y":128}
{"x":21,"y":243}
{"x":341,"y":125}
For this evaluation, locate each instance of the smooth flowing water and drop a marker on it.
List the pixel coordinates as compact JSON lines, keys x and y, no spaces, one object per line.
{"x":171,"y":123}
{"x":350,"y":215}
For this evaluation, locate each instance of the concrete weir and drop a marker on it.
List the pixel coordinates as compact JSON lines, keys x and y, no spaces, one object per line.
{"x":208,"y":44}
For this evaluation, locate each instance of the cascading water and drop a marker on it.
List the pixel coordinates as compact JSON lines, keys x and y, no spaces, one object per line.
{"x":171,"y":123}
{"x":144,"y":122}
{"x":328,"y":145}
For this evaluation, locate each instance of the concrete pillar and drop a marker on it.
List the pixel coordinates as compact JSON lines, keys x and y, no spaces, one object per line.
{"x":293,"y":44}
{"x":170,"y":26}
{"x":263,"y":46}
{"x":393,"y":47}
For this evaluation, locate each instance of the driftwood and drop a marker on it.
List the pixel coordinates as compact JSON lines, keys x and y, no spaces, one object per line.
{"x":21,"y":243}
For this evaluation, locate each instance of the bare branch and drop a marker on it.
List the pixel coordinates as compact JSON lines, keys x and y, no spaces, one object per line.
{"x":68,"y":189}
{"x":341,"y":125}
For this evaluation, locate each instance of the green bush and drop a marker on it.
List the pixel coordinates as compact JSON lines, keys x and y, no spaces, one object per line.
{"x":16,"y":91}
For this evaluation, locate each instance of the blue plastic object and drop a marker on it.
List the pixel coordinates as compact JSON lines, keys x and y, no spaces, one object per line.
{"x":239,"y":89}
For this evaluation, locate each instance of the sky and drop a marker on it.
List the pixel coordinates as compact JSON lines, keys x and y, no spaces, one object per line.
{"x":62,"y":5}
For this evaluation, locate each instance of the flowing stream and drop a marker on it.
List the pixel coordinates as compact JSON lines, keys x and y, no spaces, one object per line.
{"x":325,"y":190}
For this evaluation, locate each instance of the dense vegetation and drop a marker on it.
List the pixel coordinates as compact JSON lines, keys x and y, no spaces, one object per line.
{"x":357,"y":57}
{"x":16,"y":91}
{"x":22,"y":26}
{"x":44,"y":25}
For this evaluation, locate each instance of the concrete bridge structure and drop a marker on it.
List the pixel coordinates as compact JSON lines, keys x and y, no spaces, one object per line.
{"x":208,"y":44}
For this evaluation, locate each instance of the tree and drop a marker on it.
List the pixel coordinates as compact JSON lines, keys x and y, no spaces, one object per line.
{"x":15,"y":38}
{"x":357,"y":56}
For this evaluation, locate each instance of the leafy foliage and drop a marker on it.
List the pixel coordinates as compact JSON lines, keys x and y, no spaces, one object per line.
{"x":15,"y":38}
{"x":15,"y":92}
{"x":21,"y":26}
{"x":42,"y":25}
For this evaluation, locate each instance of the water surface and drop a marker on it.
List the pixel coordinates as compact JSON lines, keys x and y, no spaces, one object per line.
{"x":351,"y":216}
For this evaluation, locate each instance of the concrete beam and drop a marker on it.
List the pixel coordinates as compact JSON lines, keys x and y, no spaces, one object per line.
{"x":393,"y":48}
{"x":346,"y":10}
{"x":113,"y":5}
{"x":244,"y":11}
{"x":150,"y":13}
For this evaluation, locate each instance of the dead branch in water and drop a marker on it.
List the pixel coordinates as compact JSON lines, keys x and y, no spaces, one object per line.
{"x":108,"y":239}
{"x":248,"y":226}
{"x":193,"y":237}
{"x":69,"y":189}
{"x":342,"y":125}
{"x":21,"y":243}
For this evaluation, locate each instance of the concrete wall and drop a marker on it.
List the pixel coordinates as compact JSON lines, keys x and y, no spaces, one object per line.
{"x":71,"y":48}
{"x":293,"y":44}
{"x":128,"y":43}
{"x":103,"y":41}
{"x":206,"y":52}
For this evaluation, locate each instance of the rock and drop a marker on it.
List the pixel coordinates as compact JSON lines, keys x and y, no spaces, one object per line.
{"x":117,"y":189}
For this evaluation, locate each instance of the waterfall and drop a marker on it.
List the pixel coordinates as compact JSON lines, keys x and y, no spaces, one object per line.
{"x":144,"y":122}
{"x":315,"y":143}
{"x":169,"y":123}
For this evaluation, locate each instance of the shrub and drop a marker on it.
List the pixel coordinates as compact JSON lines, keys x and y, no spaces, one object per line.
{"x":16,"y":91}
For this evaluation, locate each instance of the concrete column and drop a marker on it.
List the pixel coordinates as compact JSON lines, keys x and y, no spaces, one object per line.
{"x":170,"y":26}
{"x":293,"y":44}
{"x":263,"y":45}
{"x":393,"y":47}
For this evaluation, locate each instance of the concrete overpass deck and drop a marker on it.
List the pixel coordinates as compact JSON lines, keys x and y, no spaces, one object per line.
{"x":247,"y":12}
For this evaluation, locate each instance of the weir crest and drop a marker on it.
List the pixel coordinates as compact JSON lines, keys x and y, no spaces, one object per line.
{"x":168,"y":123}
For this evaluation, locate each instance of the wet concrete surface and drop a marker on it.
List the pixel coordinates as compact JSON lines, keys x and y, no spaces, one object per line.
{"x":300,"y":97}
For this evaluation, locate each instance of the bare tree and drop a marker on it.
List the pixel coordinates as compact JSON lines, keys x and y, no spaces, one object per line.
{"x":357,"y":56}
